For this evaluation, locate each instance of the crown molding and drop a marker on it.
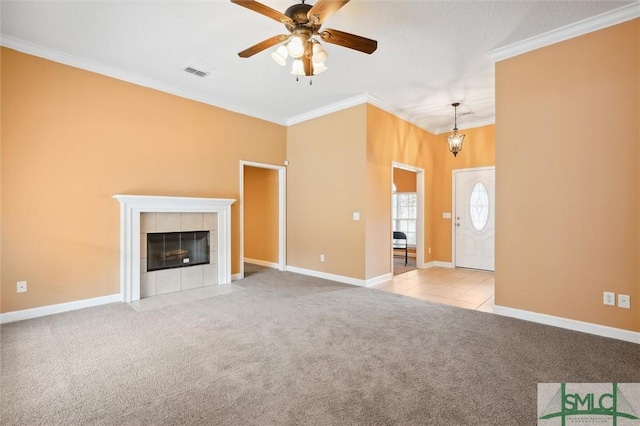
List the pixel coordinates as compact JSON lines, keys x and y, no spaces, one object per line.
{"x":119,"y":74}
{"x":604,"y":20}
{"x":396,"y":112}
{"x":98,"y":68}
{"x":328,"y":109}
{"x":435,"y":131}
{"x":467,"y":125}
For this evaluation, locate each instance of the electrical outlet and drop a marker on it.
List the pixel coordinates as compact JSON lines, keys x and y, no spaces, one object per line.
{"x":624,"y":301}
{"x":322,"y":258}
{"x":609,"y":298}
{"x":21,"y":287}
{"x":429,"y":250}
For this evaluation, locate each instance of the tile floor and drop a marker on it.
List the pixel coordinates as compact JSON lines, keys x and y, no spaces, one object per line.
{"x":465,"y":288}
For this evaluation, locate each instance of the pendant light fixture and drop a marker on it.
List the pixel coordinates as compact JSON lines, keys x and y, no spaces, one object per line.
{"x":455,"y":140}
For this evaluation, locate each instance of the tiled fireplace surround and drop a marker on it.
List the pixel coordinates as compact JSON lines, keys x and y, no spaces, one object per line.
{"x":141,"y":214}
{"x":177,"y":279}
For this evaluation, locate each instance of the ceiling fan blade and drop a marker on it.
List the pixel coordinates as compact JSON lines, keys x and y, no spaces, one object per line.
{"x":323,"y":9}
{"x":351,"y":41}
{"x":265,"y":44}
{"x":308,"y":65}
{"x":264,"y":10}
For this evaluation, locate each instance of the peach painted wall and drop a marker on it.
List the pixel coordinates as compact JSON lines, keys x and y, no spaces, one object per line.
{"x":71,"y":139}
{"x":1,"y":174}
{"x":261,"y":214}
{"x":568,"y":177}
{"x":325,"y":185}
{"x":405,"y":180}
{"x":478,"y":150}
{"x":389,"y":139}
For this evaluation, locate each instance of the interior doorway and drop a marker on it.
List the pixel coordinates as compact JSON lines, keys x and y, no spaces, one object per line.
{"x":474,"y":218}
{"x":262,"y":216}
{"x":407,"y":218}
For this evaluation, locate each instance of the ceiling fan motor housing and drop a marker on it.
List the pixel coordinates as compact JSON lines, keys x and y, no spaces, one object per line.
{"x":299,"y":15}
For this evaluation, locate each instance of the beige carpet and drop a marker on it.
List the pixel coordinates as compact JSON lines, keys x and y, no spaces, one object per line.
{"x":293,"y":350}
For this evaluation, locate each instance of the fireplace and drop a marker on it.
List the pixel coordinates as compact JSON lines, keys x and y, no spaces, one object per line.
{"x":172,"y":214}
{"x":166,"y":250}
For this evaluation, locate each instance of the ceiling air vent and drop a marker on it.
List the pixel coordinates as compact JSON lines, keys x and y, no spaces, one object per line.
{"x":194,"y":71}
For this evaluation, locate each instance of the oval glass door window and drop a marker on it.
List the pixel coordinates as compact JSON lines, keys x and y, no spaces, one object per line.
{"x":479,"y":206}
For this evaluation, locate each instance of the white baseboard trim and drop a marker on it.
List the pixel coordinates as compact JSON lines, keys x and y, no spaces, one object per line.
{"x":235,"y":277}
{"x":326,"y":276}
{"x":437,"y":263}
{"x":378,"y":280}
{"x":569,"y":324}
{"x":341,"y":278}
{"x":42,"y":311}
{"x":262,"y":263}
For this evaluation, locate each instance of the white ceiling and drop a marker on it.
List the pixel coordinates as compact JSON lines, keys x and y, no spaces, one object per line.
{"x":430,"y":53}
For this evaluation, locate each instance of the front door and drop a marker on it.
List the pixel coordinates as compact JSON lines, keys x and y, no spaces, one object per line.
{"x":475,"y":219}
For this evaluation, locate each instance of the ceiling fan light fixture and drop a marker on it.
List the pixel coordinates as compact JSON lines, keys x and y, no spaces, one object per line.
{"x":319,"y":68}
{"x":303,"y":23}
{"x":455,"y":139}
{"x":297,"y":67}
{"x":295,"y":47}
{"x":280,"y":55}
{"x":319,"y":54}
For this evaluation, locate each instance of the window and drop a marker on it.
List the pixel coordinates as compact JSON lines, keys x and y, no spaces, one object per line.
{"x":479,"y":206}
{"x":405,"y":214}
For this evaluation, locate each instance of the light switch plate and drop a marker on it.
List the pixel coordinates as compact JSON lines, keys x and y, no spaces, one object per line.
{"x":446,"y":215}
{"x":356,"y":215}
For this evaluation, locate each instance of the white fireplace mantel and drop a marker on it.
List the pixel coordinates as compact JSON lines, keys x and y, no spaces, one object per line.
{"x":130,"y":208}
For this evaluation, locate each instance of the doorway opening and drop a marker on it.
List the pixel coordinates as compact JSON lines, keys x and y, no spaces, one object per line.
{"x":262,"y":217}
{"x":407,"y":218}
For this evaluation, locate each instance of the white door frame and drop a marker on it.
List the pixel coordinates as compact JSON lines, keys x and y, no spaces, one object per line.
{"x":282,"y":212}
{"x":420,"y":219}
{"x":453,"y":206}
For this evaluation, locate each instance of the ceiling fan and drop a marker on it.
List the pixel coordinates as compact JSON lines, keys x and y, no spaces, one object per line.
{"x":303,"y":22}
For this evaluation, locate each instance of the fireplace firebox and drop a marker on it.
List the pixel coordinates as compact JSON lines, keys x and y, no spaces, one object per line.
{"x":177,"y":249}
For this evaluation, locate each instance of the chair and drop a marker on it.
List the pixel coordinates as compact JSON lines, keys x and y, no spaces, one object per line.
{"x":400,"y":243}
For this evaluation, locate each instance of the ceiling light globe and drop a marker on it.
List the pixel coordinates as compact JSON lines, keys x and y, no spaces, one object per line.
{"x":319,"y":68}
{"x":295,"y":48}
{"x":319,"y":55}
{"x":298,"y":67}
{"x":280,"y":56}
